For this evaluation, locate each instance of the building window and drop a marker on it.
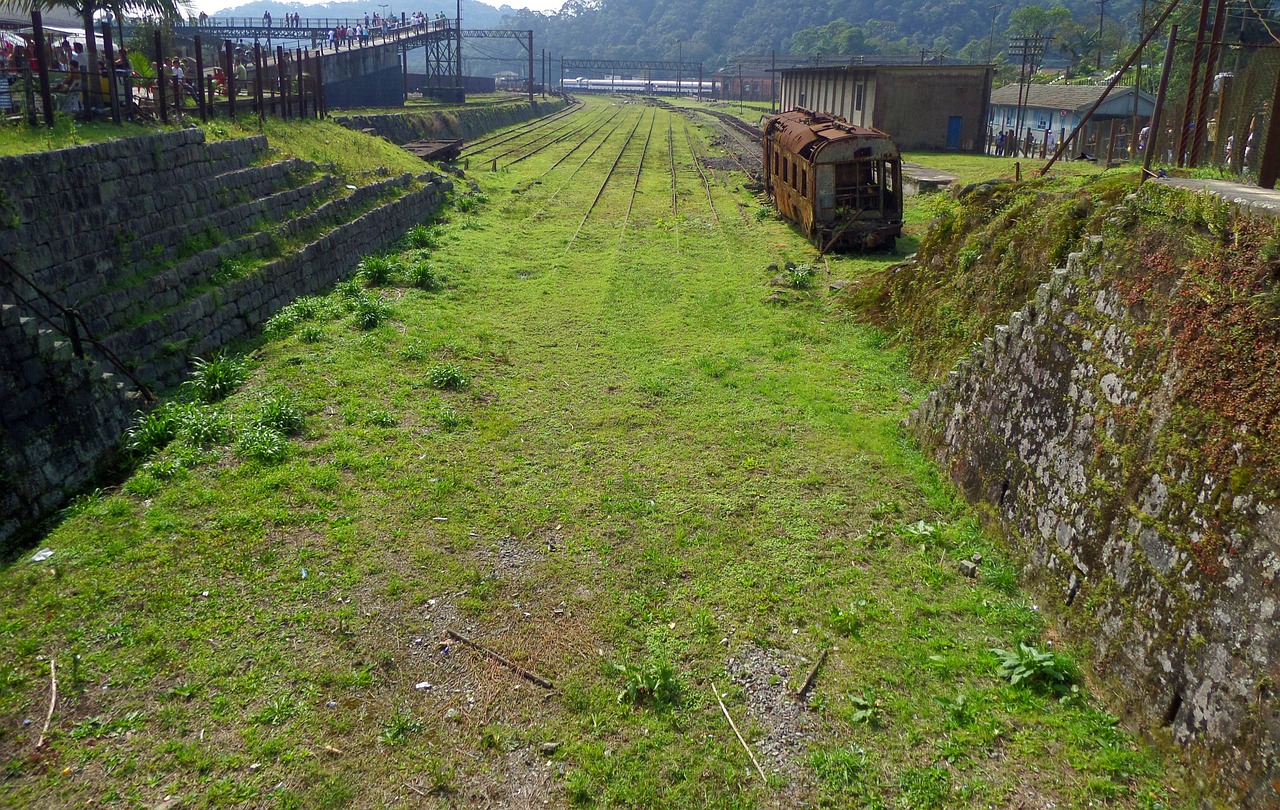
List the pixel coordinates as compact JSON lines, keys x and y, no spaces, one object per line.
{"x":857,"y":97}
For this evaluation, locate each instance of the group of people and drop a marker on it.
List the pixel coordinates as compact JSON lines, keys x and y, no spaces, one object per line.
{"x":290,"y":20}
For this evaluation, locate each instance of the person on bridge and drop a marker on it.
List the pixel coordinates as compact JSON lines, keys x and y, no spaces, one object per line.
{"x":266,"y":18}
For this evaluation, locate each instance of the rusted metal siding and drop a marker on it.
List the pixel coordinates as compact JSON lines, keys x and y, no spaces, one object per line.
{"x":840,"y":183}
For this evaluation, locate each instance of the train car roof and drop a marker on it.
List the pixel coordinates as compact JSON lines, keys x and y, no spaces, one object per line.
{"x":802,"y":131}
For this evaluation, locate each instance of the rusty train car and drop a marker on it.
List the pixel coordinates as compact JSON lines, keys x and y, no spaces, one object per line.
{"x":842,"y":184}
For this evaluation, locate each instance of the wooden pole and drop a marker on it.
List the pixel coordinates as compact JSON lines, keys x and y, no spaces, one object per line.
{"x":1153,"y":133}
{"x":230,"y":71}
{"x":1269,"y":167}
{"x":113,"y":91}
{"x":160,"y":90}
{"x":1111,"y":143}
{"x":42,"y":67}
{"x":200,"y":95}
{"x":282,"y":80}
{"x":1188,"y":114}
{"x":302,"y":90}
{"x":258,"y":66}
{"x":530,"y":47}
{"x":1201,"y":134}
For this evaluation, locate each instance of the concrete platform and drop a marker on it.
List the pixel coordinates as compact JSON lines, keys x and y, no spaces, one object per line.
{"x":919,"y":179}
{"x":1251,"y":199}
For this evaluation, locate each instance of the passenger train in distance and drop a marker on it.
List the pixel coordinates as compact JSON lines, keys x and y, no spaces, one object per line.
{"x":619,"y":85}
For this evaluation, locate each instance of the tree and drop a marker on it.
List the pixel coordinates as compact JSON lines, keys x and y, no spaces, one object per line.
{"x":1034,"y":20}
{"x":165,"y":9}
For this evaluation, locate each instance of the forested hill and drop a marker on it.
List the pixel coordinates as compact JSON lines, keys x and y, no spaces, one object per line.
{"x":719,"y":32}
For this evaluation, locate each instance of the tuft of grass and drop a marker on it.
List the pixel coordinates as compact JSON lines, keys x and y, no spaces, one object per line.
{"x":281,"y":414}
{"x":447,"y":376}
{"x":1038,"y":669}
{"x":369,"y":312}
{"x":799,"y":276}
{"x":377,"y":271}
{"x":422,"y":237}
{"x":402,"y":725}
{"x":262,"y":444}
{"x":216,"y":378}
{"x":425,"y":276}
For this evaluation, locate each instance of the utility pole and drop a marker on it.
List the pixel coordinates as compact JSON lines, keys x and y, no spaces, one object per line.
{"x":1102,"y":11}
{"x":679,"y":56}
{"x":995,"y":12}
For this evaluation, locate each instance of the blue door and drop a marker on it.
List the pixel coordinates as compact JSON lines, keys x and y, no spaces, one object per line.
{"x":954,"y":125}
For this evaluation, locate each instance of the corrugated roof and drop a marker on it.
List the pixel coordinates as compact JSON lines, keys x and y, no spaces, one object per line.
{"x":1057,"y":96}
{"x":798,"y":130}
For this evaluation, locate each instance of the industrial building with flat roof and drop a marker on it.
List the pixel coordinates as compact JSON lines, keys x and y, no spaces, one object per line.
{"x":923,"y":107}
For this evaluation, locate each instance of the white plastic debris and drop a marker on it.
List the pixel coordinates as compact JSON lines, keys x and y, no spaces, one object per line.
{"x":423,"y":685}
{"x":42,"y":555}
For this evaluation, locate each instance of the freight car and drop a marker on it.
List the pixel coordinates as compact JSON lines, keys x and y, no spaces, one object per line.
{"x":841,"y":184}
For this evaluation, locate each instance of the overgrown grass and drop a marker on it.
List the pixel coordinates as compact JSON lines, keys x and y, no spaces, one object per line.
{"x":648,"y":464}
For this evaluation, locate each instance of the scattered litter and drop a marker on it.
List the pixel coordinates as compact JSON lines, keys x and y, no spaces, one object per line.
{"x":205,"y":594}
{"x":255,"y":766}
{"x":350,"y":187}
{"x":549,"y":747}
{"x":331,"y":705}
{"x":452,"y":714}
{"x":440,"y":518}
{"x":304,"y":573}
{"x":42,"y":555}
{"x":423,"y":685}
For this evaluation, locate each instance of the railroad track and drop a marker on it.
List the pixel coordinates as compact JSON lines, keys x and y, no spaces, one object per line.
{"x":485,"y":144}
{"x":520,"y":146}
{"x":608,"y":176}
{"x":635,"y":187}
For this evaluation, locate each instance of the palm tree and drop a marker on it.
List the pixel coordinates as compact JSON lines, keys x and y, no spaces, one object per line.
{"x":164,"y":9}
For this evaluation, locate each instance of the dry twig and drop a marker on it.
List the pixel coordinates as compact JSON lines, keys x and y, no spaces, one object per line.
{"x":53,"y":700}
{"x":813,"y":674}
{"x":738,"y":734}
{"x":511,"y":665}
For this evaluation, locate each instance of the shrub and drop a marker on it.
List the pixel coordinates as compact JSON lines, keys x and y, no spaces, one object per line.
{"x":262,"y":443}
{"x":310,"y":334}
{"x":447,"y":375}
{"x":451,"y":420}
{"x":218,"y":377}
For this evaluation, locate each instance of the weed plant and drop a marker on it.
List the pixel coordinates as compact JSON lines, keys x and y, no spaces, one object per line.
{"x":281,"y":414}
{"x":377,"y":271}
{"x":263,"y":444}
{"x":422,"y":237}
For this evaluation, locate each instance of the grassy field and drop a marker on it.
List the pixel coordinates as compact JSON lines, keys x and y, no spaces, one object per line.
{"x":578,"y":426}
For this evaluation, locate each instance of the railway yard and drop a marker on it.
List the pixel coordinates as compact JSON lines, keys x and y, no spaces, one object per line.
{"x":630,"y":472}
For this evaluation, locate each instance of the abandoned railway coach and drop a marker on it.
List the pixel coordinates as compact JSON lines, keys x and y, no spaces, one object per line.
{"x":842,"y":184}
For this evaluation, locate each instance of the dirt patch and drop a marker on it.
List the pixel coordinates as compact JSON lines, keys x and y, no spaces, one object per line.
{"x":511,"y":557}
{"x":787,"y":727}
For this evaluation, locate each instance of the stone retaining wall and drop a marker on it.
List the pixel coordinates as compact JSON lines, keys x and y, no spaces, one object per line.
{"x":102,"y":228}
{"x":1060,"y":425}
{"x":466,"y":123}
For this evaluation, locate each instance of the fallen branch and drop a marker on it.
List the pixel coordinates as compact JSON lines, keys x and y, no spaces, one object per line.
{"x":511,"y":665}
{"x":813,"y":674}
{"x":738,"y":734}
{"x":53,"y":700}
{"x":415,"y":790}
